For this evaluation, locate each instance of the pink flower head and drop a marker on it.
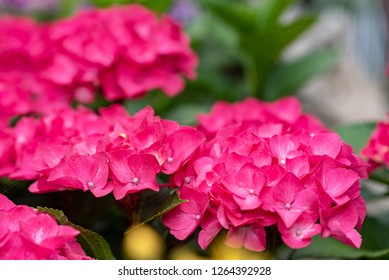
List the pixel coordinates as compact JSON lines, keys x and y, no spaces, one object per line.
{"x":377,"y":148}
{"x":184,"y":219}
{"x":159,"y":55}
{"x":269,"y":164}
{"x":25,"y":51}
{"x":27,"y":234}
{"x":224,"y":114}
{"x":87,"y":45}
{"x":22,"y":44}
{"x":126,"y":51}
{"x":101,"y":153}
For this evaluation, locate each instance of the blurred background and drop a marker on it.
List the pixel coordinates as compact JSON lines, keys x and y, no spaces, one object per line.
{"x":332,"y":54}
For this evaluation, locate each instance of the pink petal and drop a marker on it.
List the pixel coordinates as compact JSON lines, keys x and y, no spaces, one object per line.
{"x":210,"y":228}
{"x":287,"y":109}
{"x":5,"y":203}
{"x":252,"y":237}
{"x":299,"y":166}
{"x":182,"y":144}
{"x":300,"y":233}
{"x":281,"y":146}
{"x":184,"y":219}
{"x":326,"y":144}
{"x":337,"y":181}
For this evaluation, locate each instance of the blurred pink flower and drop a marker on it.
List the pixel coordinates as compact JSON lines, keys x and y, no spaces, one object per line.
{"x":27,"y":234}
{"x":123,"y":51}
{"x":377,"y":148}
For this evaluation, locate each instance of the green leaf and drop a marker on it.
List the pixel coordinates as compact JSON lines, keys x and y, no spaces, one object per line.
{"x":288,"y":77}
{"x":290,"y":32}
{"x":107,"y":3}
{"x":357,"y":135}
{"x":271,"y":10}
{"x":375,"y":245}
{"x":263,"y":48}
{"x":238,"y":16}
{"x":159,"y":6}
{"x":6,"y":185}
{"x":93,"y":244}
{"x":381,"y":175}
{"x":170,"y":203}
{"x":185,"y":114}
{"x":67,"y":8}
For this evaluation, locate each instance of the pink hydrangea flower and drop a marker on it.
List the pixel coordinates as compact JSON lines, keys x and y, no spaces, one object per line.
{"x":109,"y":152}
{"x":377,"y":148}
{"x":270,"y":165}
{"x":25,"y":50}
{"x":26,"y":234}
{"x":126,"y":50}
{"x":123,"y":51}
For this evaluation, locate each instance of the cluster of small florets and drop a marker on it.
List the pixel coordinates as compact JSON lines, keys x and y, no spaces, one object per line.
{"x":377,"y":148}
{"x":102,"y":153}
{"x":122,"y":52}
{"x":27,"y":234}
{"x":268,"y":164}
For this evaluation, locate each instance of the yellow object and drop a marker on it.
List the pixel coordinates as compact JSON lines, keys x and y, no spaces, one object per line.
{"x":142,"y":243}
{"x":220,"y":251}
{"x":185,"y":253}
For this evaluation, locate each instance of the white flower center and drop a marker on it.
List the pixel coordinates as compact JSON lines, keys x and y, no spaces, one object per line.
{"x":187,"y":180}
{"x":169,"y":160}
{"x":135,"y":181}
{"x":287,"y":206}
{"x":91,"y":185}
{"x":299,"y":233}
{"x":197,"y":217}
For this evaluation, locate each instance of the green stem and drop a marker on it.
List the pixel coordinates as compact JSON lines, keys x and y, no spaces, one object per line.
{"x":251,"y":75}
{"x":291,"y":254}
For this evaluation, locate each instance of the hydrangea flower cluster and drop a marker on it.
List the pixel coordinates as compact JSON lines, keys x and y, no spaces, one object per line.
{"x":24,"y":54}
{"x":377,"y":148}
{"x":26,"y":234}
{"x":123,"y":52}
{"x":268,"y":164}
{"x":102,"y":153}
